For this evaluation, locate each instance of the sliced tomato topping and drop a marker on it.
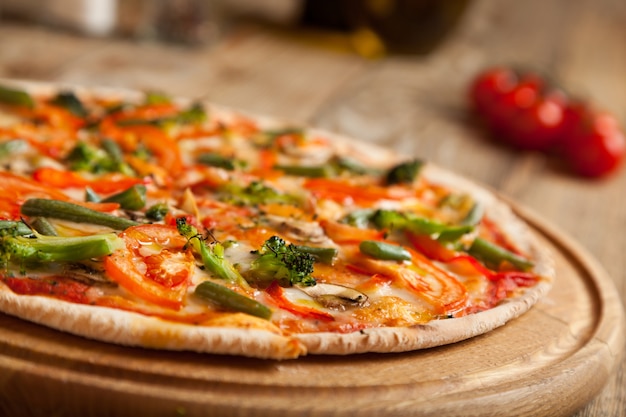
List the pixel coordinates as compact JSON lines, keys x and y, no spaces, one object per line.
{"x":156,"y":265}
{"x":346,"y":192}
{"x":277,"y":294}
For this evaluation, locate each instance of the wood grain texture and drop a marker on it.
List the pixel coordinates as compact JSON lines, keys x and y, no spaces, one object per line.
{"x":551,"y":361}
{"x":415,"y":105}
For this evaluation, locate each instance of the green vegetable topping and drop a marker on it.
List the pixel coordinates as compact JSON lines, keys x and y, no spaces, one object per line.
{"x":311,"y":171}
{"x":16,"y":97}
{"x":17,"y":247}
{"x":8,"y":147}
{"x":157,"y":212}
{"x":323,"y":255}
{"x":231,"y":300}
{"x":345,"y":164}
{"x":217,"y":160}
{"x":91,"y":196}
{"x":253,"y":194}
{"x":194,"y":114}
{"x":334,"y":167}
{"x":69,"y":101}
{"x":384,"y":251}
{"x":395,"y":220}
{"x":133,"y":198}
{"x":40,"y":207}
{"x":404,"y":173}
{"x":493,"y":255}
{"x":282,"y":262}
{"x":43,"y":226}
{"x":266,"y":138}
{"x":89,"y":158}
{"x":157,"y":97}
{"x":14,"y":228}
{"x":212,"y":256}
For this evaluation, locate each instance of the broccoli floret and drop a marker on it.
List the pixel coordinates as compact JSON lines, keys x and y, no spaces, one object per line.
{"x":212,"y":255}
{"x":21,"y":246}
{"x":282,"y":262}
{"x":91,"y":158}
{"x":255,"y":193}
{"x":157,"y":212}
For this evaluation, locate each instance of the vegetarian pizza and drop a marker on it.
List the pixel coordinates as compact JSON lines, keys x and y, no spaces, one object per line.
{"x":142,"y":220}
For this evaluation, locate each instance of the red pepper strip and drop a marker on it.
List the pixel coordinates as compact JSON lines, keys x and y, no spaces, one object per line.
{"x":521,"y":279}
{"x":497,"y":236}
{"x":161,"y":145}
{"x":106,"y":184}
{"x":54,"y":286}
{"x":58,"y":178}
{"x":267,"y":159}
{"x":438,"y":252}
{"x":58,"y":117}
{"x":344,"y":233}
{"x":155,"y":139}
{"x":426,"y":280}
{"x":507,"y":282}
{"x":430,"y":247}
{"x":19,"y":189}
{"x":276,"y":292}
{"x":46,"y":140}
{"x":465,"y":262}
{"x":149,"y":112}
{"x":343,"y":191}
{"x":9,"y":210}
{"x":437,"y":285}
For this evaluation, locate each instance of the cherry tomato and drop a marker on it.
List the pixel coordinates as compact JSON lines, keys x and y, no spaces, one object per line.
{"x":525,"y":111}
{"x":593,"y":144}
{"x":507,"y":107}
{"x":538,"y":126}
{"x":489,"y":87}
{"x":520,"y":109}
{"x":155,"y":266}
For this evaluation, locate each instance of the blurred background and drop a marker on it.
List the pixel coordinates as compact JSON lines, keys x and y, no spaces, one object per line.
{"x":392,"y":72}
{"x":371,"y":28}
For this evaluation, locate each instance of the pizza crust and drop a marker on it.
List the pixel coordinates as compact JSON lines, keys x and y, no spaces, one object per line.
{"x":244,"y":336}
{"x":132,"y":329}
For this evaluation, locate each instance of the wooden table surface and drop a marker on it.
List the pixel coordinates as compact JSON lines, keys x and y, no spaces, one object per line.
{"x":415,"y":105}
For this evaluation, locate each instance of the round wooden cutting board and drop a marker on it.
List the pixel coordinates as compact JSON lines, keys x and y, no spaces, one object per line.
{"x":550,"y":361}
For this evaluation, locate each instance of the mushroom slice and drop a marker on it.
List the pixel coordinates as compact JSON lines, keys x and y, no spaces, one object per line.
{"x":297,"y":229}
{"x":335,"y":296}
{"x":87,"y":273}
